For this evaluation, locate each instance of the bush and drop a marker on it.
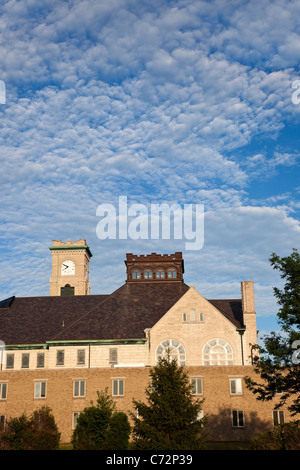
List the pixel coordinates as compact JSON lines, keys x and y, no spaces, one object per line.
{"x":37,"y":432}
{"x":118,"y":433}
{"x":100,"y":427}
{"x":282,"y":437}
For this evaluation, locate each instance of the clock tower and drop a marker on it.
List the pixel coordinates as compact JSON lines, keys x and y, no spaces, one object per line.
{"x":70,"y":268}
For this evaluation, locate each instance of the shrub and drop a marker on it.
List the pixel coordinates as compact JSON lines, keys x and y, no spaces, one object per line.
{"x":282,"y":437}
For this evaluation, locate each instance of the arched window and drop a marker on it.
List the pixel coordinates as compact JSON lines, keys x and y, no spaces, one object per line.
{"x":172,"y":274}
{"x":148,"y":274}
{"x":160,"y":274}
{"x":173,"y":348}
{"x":217,"y":352}
{"x":184,"y":317}
{"x":136,"y":274}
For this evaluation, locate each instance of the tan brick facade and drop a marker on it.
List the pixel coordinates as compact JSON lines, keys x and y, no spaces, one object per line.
{"x":218,"y":405}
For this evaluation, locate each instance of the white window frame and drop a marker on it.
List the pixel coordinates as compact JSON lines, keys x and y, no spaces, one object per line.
{"x":79,"y":384}
{"x":280,"y":417}
{"x":197,"y":385}
{"x":235,"y":384}
{"x":38,"y":389}
{"x":3,"y":390}
{"x":118,"y":386}
{"x":238,"y":425}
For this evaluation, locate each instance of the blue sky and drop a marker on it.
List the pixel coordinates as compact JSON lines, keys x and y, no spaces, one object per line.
{"x":186,"y":102}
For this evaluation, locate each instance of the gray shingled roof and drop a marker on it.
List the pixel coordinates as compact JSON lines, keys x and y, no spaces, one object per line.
{"x":124,"y":314}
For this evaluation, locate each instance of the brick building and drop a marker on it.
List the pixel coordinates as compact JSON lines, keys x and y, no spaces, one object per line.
{"x":59,"y":350}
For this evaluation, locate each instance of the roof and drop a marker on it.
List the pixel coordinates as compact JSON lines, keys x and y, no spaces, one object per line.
{"x":124,"y":314}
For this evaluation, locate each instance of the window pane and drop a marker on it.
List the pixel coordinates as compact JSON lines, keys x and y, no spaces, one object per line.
{"x":3,"y":388}
{"x":281,"y":417}
{"x":43,"y":390}
{"x":115,"y":387}
{"x":234,"y":418}
{"x":82,"y":388}
{"x":25,"y":360}
{"x":10,"y":361}
{"x":199,"y":385}
{"x":121,"y":387}
{"x":76,"y":388}
{"x":193,"y":383}
{"x":60,"y":357}
{"x":37,"y":389}
{"x":81,"y":356}
{"x":232,"y":386}
{"x":40,"y":360}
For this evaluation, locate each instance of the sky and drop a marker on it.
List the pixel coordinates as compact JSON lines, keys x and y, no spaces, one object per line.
{"x":161,"y":102}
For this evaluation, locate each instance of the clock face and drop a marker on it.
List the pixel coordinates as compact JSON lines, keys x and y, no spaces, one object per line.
{"x":67,"y":268}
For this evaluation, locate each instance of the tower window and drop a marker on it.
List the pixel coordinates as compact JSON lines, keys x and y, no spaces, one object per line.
{"x":148,"y":274}
{"x":160,"y":274}
{"x":136,"y":274}
{"x":67,"y":291}
{"x":172,"y":274}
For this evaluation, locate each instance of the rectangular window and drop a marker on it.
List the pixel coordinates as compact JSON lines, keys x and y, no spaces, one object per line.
{"x":10,"y":359}
{"x":238,"y":419}
{"x":236,"y":386}
{"x":3,"y":391}
{"x":79,"y":388}
{"x":278,"y":417}
{"x":118,"y":387}
{"x":196,"y":383}
{"x":74,"y":420}
{"x":40,"y":389}
{"x":81,"y":356}
{"x":25,"y":361}
{"x":40,"y":361}
{"x":113,"y":356}
{"x":60,"y":357}
{"x":2,"y":421}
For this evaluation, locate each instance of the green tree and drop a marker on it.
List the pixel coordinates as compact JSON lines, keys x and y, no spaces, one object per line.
{"x":118,"y":432}
{"x":278,"y":359}
{"x":92,"y":423}
{"x":169,"y":419}
{"x":36,"y":432}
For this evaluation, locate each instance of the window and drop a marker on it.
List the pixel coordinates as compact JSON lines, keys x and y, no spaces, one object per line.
{"x":236,"y":386}
{"x":25,"y":361}
{"x":40,"y":362}
{"x":172,"y":274}
{"x":40,"y":390}
{"x":136,"y":274}
{"x":80,"y":356}
{"x":184,"y":317}
{"x":79,"y":388}
{"x":118,"y":387}
{"x":160,"y":274}
{"x":196,"y":383}
{"x":74,"y":420}
{"x":201,"y":316}
{"x":2,"y":421}
{"x":67,"y":291}
{"x":3,"y":391}
{"x":60,"y":357}
{"x":172,"y":348}
{"x":192,"y":315}
{"x":278,"y":417}
{"x":217,"y":352}
{"x":113,"y":356}
{"x":238,"y":419}
{"x":148,"y":274}
{"x":10,"y":358}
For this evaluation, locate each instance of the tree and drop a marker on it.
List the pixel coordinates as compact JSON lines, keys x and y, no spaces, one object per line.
{"x":36,"y":432}
{"x":278,"y":360}
{"x":100,"y":427}
{"x":170,"y":418}
{"x":118,"y":432}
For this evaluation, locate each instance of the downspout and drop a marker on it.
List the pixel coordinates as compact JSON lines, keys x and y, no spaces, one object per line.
{"x":241,"y":331}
